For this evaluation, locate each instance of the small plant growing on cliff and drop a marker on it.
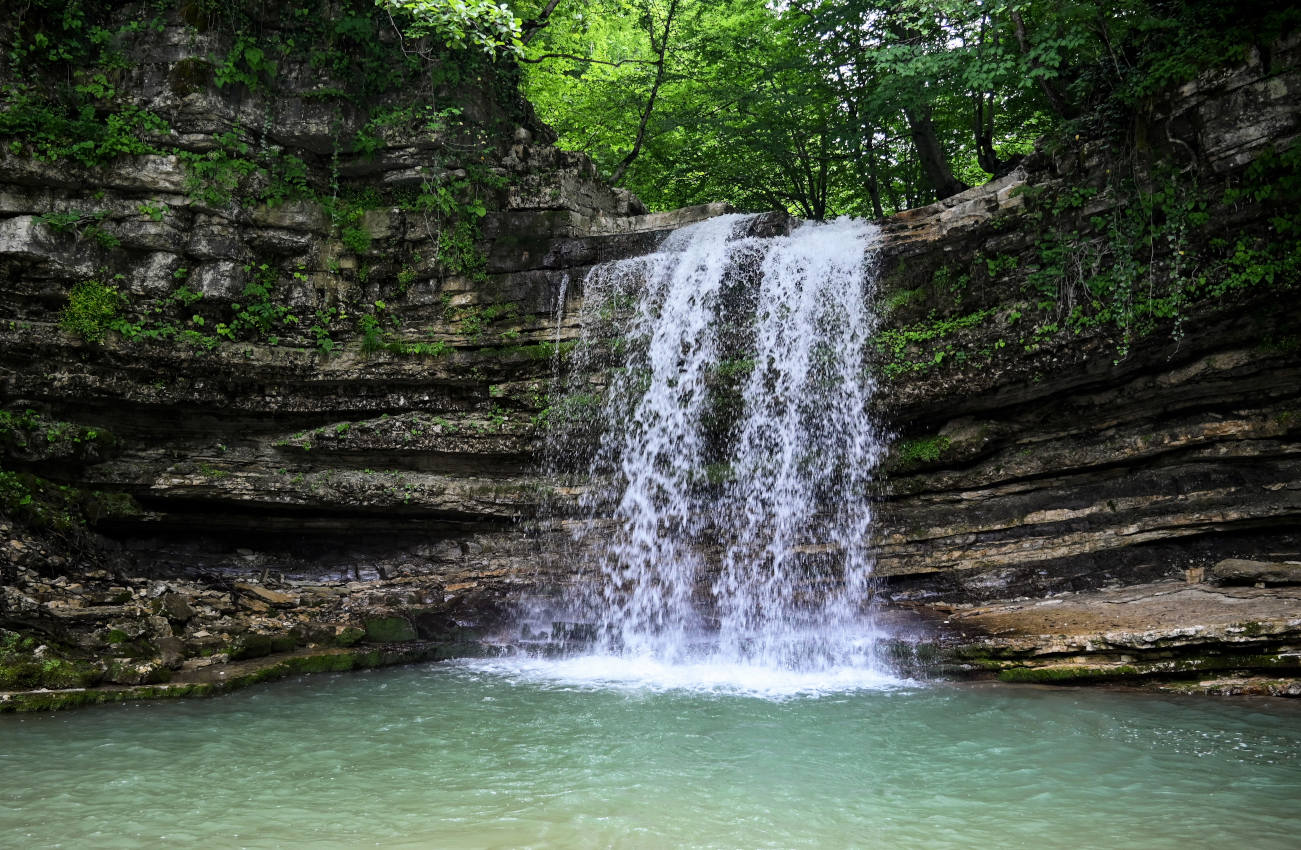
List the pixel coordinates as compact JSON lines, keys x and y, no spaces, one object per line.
{"x":355,"y":239}
{"x":321,"y":328}
{"x":372,"y":338}
{"x":258,"y":312}
{"x":92,"y":310}
{"x":922,"y":449}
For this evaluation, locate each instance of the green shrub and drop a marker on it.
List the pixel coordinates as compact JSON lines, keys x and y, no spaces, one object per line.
{"x":92,"y":309}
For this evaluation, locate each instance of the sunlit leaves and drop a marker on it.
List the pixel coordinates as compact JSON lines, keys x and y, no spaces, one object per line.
{"x":460,"y":24}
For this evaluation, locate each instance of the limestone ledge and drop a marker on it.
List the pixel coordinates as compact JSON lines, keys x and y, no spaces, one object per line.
{"x":1167,"y":631}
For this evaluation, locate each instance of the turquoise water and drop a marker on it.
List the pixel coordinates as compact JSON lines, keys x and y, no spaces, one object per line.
{"x":488,"y":756}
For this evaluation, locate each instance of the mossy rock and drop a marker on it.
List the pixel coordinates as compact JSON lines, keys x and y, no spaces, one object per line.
{"x":1048,"y":675}
{"x":349,"y":636}
{"x":53,"y":673}
{"x":393,"y":629}
{"x":254,"y":645}
{"x":189,"y":76}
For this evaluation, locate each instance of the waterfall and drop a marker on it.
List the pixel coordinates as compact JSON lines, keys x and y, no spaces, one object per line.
{"x":715,"y":417}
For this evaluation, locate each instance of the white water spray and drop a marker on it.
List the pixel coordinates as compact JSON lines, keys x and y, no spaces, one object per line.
{"x":728,"y":508}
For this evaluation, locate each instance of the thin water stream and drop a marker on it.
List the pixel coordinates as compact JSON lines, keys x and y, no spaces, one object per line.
{"x":493,"y":755}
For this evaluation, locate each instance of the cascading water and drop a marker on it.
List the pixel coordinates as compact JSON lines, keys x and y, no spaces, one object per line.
{"x":721,"y":389}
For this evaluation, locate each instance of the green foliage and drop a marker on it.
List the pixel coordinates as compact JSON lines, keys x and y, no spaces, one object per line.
{"x":45,"y":505}
{"x":159,"y":320}
{"x":419,"y":118}
{"x":573,"y":409}
{"x":902,"y":298}
{"x":258,"y":315}
{"x":29,"y":432}
{"x":320,"y":328}
{"x":1141,"y":264}
{"x":372,"y":336}
{"x":84,"y":224}
{"x":214,"y":177}
{"x":355,"y":239}
{"x":862,"y":106}
{"x":480,"y":24}
{"x":937,"y":338}
{"x":58,"y":99}
{"x":459,"y":252}
{"x":21,"y":668}
{"x":437,"y":348}
{"x":91,"y":310}
{"x":245,"y":64}
{"x":922,"y":449}
{"x":50,"y":131}
{"x":451,"y":209}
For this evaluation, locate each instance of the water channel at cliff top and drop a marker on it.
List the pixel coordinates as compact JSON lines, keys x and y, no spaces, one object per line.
{"x":509,"y":754}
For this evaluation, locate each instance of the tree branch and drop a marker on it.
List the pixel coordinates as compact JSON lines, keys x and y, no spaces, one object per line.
{"x":543,"y":56}
{"x":536,"y":25}
{"x":662,"y":49}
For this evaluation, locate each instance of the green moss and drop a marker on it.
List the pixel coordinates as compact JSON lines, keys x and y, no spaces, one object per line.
{"x":189,"y":76}
{"x":1245,"y":661}
{"x":393,"y":629}
{"x":250,"y":645}
{"x":925,"y":345}
{"x":254,"y":645}
{"x":336,"y":663}
{"x":21,"y":668}
{"x":325,"y":662}
{"x":1065,"y":674}
{"x":538,"y":351}
{"x":349,"y":636}
{"x":922,"y":449}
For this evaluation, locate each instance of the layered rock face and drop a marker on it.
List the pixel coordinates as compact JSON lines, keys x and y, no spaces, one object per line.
{"x":243,"y":419}
{"x":239,"y":423}
{"x":1034,"y":480}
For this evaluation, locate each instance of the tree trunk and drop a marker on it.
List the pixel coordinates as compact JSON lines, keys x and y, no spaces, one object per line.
{"x":1054,"y":97}
{"x":935,"y":165}
{"x":536,"y":25}
{"x":873,"y":180}
{"x":984,"y":131}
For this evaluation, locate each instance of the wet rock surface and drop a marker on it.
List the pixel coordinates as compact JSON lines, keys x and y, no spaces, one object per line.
{"x":1161,"y":631}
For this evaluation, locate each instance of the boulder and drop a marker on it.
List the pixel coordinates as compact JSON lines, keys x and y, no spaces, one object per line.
{"x":393,"y":629}
{"x":273,"y":598}
{"x":1239,"y":571}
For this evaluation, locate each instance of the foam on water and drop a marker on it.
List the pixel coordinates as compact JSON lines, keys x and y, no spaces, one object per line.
{"x":711,"y":675}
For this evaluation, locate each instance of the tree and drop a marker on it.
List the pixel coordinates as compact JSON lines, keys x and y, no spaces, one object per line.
{"x":825,"y":107}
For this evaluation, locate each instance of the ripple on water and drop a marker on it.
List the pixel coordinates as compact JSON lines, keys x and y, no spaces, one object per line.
{"x":491,"y":755}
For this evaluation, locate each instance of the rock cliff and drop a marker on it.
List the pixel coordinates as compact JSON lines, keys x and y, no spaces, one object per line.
{"x":273,"y":376}
{"x":1066,"y":494}
{"x":271,"y":382}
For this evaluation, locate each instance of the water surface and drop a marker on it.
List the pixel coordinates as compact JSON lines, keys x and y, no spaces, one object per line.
{"x":498,"y":756}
